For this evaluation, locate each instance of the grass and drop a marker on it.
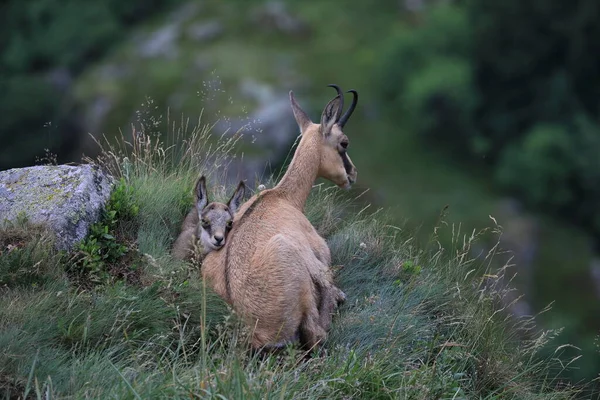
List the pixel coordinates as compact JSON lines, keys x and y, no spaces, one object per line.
{"x":408,"y":175}
{"x":421,"y":322}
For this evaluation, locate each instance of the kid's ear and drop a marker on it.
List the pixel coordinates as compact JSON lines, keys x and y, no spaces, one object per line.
{"x":200,"y":194}
{"x":238,"y":198}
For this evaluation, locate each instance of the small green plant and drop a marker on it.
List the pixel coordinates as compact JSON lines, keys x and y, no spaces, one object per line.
{"x":122,"y":202}
{"x":107,"y":242}
{"x":410,"y":268}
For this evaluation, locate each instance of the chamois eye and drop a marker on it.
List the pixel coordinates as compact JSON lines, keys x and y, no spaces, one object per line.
{"x":229,"y":224}
{"x":344,"y":145}
{"x":205,"y":223}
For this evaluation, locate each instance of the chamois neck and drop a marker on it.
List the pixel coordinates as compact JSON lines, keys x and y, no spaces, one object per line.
{"x":302,"y":172}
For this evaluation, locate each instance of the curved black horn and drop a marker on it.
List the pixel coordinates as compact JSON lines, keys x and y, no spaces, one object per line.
{"x":341,"y":94}
{"x":344,"y":119}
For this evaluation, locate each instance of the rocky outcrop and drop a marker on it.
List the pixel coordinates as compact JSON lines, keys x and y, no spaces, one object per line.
{"x":193,"y":61}
{"x":65,"y":199}
{"x":205,"y":31}
{"x":270,"y":128}
{"x":275,"y":16}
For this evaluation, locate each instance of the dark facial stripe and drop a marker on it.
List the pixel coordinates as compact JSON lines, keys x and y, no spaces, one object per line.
{"x":346,"y":161}
{"x":236,"y":226}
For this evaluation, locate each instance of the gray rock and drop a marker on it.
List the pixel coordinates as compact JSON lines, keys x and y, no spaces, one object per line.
{"x":274,"y":15}
{"x":270,"y":127}
{"x":65,"y":199}
{"x":60,"y":78}
{"x":186,"y":12}
{"x":206,"y":31}
{"x":161,"y":43}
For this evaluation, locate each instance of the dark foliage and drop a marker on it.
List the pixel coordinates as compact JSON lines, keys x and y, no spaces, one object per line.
{"x":512,"y":84}
{"x":43,"y":45}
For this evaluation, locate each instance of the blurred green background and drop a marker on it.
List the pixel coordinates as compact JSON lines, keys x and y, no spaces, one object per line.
{"x":489,"y":107}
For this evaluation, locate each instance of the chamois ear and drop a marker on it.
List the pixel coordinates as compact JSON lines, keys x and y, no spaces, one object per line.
{"x":331,"y":114}
{"x":238,"y":197}
{"x":302,"y":119}
{"x":200,"y":194}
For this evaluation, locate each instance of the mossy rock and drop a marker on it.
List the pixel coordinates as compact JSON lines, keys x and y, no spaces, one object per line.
{"x":64,"y":199}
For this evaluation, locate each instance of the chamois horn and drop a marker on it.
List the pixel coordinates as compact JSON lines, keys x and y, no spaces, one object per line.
{"x":341,"y":94}
{"x":349,"y":112}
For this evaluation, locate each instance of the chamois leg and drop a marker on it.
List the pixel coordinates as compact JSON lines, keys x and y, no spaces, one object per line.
{"x":340,"y":296}
{"x":328,"y":297}
{"x":262,"y":340}
{"x":311,"y":332}
{"x":327,"y":307}
{"x":183,"y":248}
{"x":264,"y":351}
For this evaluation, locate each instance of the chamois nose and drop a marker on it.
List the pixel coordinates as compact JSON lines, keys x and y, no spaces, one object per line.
{"x":218,"y":239}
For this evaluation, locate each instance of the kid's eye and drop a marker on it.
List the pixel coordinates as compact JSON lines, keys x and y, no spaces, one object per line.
{"x":229,"y":224}
{"x":205,"y":223}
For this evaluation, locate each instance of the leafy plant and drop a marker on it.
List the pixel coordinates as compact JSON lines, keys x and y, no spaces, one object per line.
{"x":107,"y":244}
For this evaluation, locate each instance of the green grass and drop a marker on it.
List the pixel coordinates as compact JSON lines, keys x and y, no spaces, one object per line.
{"x":344,"y":46}
{"x":421,"y":322}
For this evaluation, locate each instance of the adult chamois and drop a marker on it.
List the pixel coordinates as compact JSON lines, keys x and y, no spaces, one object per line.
{"x":274,"y":269}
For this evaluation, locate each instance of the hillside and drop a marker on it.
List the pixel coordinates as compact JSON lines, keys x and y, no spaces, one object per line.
{"x":420,"y":322}
{"x":74,"y":68}
{"x":235,"y":61}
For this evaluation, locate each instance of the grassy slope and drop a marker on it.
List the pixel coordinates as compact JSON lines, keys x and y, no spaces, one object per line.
{"x":410,"y":177}
{"x":416,"y":180}
{"x":419,"y":322}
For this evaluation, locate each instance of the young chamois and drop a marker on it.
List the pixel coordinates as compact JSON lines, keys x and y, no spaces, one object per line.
{"x":207,"y":224}
{"x":275,"y":268}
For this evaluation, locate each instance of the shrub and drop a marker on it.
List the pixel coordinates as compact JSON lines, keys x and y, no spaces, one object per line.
{"x":42,"y":36}
{"x":428,"y":75}
{"x":507,"y":84}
